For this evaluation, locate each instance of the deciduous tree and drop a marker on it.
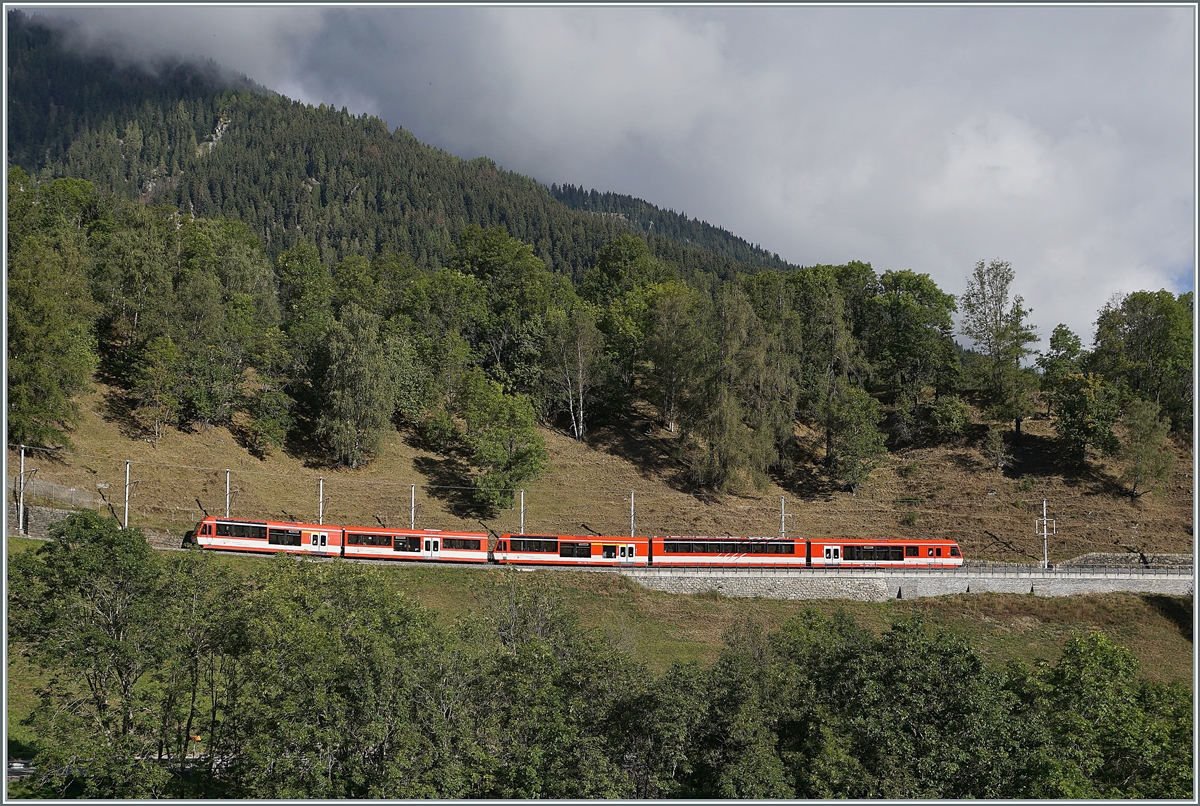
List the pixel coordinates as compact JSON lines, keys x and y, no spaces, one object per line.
{"x":1144,"y":342}
{"x":87,"y":607}
{"x":1064,"y":357}
{"x":504,"y":444}
{"x":909,"y":326}
{"x":574,"y":356}
{"x":356,"y":388}
{"x":1002,"y":335}
{"x":1087,"y":411}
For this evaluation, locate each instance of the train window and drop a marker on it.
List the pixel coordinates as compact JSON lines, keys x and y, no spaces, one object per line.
{"x":254,"y":530}
{"x":912,"y":551}
{"x":930,"y":552}
{"x":622,"y":551}
{"x":284,"y":537}
{"x":354,"y":539}
{"x":534,"y":545}
{"x":939,"y":551}
{"x":610,"y":552}
{"x":828,"y":553}
{"x":785,"y":547}
{"x":835,"y":552}
{"x":874,"y":553}
{"x":631,"y":551}
{"x":460,"y":543}
{"x":406,"y":543}
{"x":954,"y":551}
{"x":503,"y":546}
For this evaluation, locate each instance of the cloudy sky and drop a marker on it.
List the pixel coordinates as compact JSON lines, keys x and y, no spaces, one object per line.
{"x":924,"y":138}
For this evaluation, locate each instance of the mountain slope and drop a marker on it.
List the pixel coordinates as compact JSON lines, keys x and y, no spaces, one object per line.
{"x":220,"y":146}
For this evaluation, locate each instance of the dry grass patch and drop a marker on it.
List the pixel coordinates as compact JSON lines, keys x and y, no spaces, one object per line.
{"x":943,"y":491}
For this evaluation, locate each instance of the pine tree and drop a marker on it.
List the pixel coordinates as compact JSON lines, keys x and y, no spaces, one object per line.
{"x":1150,"y":460}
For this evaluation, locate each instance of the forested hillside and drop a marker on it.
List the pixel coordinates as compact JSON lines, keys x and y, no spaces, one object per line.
{"x":311,"y":280}
{"x":665,"y":230}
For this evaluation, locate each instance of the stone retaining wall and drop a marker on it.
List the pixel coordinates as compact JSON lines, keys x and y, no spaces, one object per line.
{"x":1129,"y":559}
{"x":38,"y":521}
{"x":874,"y":587}
{"x":789,"y":586}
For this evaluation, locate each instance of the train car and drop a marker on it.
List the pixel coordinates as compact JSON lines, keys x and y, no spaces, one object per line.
{"x":773,"y":552}
{"x":572,"y":550}
{"x":420,"y":544}
{"x":268,"y":537}
{"x":725,"y":552}
{"x":833,"y":552}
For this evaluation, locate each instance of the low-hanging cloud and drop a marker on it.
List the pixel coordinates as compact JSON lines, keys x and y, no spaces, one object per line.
{"x":1061,"y":139}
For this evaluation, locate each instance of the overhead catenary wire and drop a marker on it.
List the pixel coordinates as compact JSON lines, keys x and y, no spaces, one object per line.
{"x":864,"y":503}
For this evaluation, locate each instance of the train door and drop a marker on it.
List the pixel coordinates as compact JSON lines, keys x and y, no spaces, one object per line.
{"x":431,"y":547}
{"x":318,"y":543}
{"x":628,"y":555}
{"x":833,"y":555}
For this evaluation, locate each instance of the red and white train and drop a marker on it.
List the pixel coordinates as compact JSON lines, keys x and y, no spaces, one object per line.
{"x":328,"y":540}
{"x":270,"y":537}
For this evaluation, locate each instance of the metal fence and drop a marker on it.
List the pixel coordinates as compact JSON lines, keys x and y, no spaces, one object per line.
{"x":38,"y":491}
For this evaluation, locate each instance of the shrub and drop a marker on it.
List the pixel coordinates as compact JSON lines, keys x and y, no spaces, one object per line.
{"x":949,"y":416}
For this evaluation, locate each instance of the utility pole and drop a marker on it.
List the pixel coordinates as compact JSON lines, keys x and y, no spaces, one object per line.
{"x":782,"y":517}
{"x":1046,"y":527}
{"x":227,"y":493}
{"x":321,"y":501}
{"x":412,"y":508}
{"x":522,"y":512}
{"x":125,"y":524}
{"x":21,"y":495}
{"x":631,"y":519}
